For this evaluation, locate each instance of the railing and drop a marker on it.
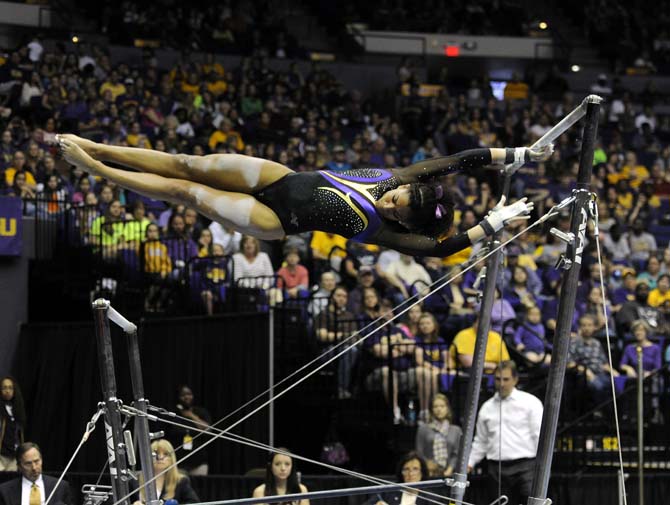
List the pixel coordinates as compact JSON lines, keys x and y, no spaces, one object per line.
{"x":589,"y":440}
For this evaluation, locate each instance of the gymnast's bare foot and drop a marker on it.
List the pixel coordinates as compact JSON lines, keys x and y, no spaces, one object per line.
{"x":90,"y":147}
{"x":75,"y":155}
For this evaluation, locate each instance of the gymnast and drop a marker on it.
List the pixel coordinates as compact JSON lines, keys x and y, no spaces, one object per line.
{"x":405,"y":209}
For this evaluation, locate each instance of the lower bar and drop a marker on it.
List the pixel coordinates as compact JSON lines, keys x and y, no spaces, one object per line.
{"x":332,"y":493}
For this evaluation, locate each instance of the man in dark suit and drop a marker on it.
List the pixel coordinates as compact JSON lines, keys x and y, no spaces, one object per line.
{"x":33,"y":488}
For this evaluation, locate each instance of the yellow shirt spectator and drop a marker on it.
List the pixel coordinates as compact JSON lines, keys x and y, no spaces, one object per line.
{"x":226,"y":135}
{"x":117,"y":89}
{"x":322,"y":243}
{"x":217,"y":87}
{"x":156,"y":258}
{"x":656,"y":298}
{"x":11,"y":172}
{"x":464,"y":344}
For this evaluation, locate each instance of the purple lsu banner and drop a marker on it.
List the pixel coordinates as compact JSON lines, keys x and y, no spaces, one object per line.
{"x":11,"y":226}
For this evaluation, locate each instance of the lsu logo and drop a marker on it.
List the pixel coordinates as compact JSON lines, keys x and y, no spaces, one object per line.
{"x":7,"y":227}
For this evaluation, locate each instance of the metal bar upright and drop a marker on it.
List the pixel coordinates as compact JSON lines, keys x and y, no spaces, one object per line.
{"x":271,"y":375}
{"x":113,"y":427}
{"x":477,"y":369}
{"x":142,"y":435}
{"x":572,"y":262}
{"x":640,"y":426}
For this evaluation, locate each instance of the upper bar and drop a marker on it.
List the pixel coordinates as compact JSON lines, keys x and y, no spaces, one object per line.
{"x":564,"y":124}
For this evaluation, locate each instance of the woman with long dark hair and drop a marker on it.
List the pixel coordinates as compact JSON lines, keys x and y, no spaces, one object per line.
{"x":12,"y":422}
{"x":281,"y":477}
{"x":405,"y":209}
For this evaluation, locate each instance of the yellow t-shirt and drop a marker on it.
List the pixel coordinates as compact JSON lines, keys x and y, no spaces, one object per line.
{"x":322,"y":243}
{"x":217,"y":87}
{"x":11,"y":171}
{"x":218,"y":137}
{"x":457,"y":258}
{"x":656,"y":298}
{"x":117,"y":89}
{"x":464,"y":343}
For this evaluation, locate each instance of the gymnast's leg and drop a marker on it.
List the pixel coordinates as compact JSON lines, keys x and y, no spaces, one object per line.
{"x":237,"y":210}
{"x":228,"y":172}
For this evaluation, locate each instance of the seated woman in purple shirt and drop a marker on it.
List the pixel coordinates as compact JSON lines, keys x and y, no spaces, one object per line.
{"x":651,"y":353}
{"x":529,"y":338}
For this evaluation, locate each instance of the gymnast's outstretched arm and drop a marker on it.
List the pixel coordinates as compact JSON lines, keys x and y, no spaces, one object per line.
{"x":469,"y":160}
{"x":423,"y":245}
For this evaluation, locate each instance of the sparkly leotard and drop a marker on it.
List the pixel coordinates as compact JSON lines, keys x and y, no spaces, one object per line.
{"x":334,"y":202}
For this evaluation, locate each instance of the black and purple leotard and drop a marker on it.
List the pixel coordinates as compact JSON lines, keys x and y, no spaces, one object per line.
{"x":334,"y":202}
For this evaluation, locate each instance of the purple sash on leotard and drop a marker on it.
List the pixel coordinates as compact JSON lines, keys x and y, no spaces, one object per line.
{"x":339,"y":182}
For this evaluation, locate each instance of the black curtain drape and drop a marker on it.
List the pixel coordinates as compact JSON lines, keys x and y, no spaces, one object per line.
{"x":224,"y":360}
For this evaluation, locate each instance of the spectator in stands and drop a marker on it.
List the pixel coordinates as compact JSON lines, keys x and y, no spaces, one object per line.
{"x":514,"y":255}
{"x":502,"y":312}
{"x":253,"y":265}
{"x":651,"y":273}
{"x":338,"y":163}
{"x":197,"y":418}
{"x":518,"y":294}
{"x":107,"y":231}
{"x":215,"y":275}
{"x":366,"y":279}
{"x":639,"y":308}
{"x":411,"y":468}
{"x":516,"y":89}
{"x":19,"y":166}
{"x":12,"y":423}
{"x":135,"y":227}
{"x":171,"y":484}
{"x":227,"y":236}
{"x":462,"y":349}
{"x":438,"y":441}
{"x":332,"y":325}
{"x":661,"y":294}
{"x":205,"y":243}
{"x":21,"y":189}
{"x":54,"y":196}
{"x":181,"y":246}
{"x":530,"y":340}
{"x":321,"y":296}
{"x":431,"y":360}
{"x":387,"y":345}
{"x":412,"y":274}
{"x":642,"y":243}
{"x":625,"y":292}
{"x":281,"y":477}
{"x":410,"y":324}
{"x":157,"y":268}
{"x":651,"y":353}
{"x":587,"y":357}
{"x":293,"y":277}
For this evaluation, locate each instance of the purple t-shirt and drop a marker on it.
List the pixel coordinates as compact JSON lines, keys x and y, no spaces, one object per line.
{"x":531,"y":336}
{"x":651,"y":357}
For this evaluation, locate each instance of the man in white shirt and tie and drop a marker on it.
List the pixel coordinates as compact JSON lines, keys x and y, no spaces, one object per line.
{"x":509,"y":442}
{"x":33,"y":488}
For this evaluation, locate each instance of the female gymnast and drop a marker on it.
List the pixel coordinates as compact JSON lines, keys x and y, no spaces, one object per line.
{"x":402,"y":208}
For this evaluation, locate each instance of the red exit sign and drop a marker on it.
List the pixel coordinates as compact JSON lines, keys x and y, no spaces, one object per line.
{"x":452,"y":51}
